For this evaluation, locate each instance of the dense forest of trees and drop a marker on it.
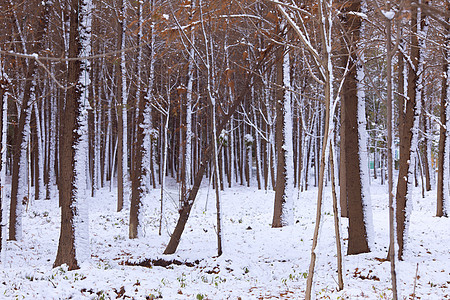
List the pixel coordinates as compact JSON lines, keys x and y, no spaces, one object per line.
{"x":281,"y":95}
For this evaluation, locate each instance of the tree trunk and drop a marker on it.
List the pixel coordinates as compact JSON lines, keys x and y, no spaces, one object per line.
{"x":3,"y":197}
{"x":343,"y":166}
{"x":391,"y":253}
{"x":443,"y":204}
{"x":283,"y":204}
{"x":73,"y":145}
{"x":354,"y":145}
{"x":408,"y":137}
{"x":138,"y":174}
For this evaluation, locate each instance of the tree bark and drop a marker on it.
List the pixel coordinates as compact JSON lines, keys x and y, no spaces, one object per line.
{"x":357,"y":229}
{"x":444,"y":134}
{"x":408,"y":137}
{"x":73,"y":148}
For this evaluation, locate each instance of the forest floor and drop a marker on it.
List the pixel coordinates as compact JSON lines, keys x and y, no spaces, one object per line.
{"x":258,"y":262}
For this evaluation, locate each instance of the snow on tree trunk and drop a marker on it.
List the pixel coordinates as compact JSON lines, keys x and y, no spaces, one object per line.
{"x":232,"y":148}
{"x":73,"y":246}
{"x":124,"y":105}
{"x":189,"y":98}
{"x":81,"y":146}
{"x":446,"y":180}
{"x":363,"y":157}
{"x":39,"y":182}
{"x":147,"y":125}
{"x":3,"y":197}
{"x":362,"y":141}
{"x":409,"y":136}
{"x":52,"y":147}
{"x":288,"y":207}
{"x":22,"y":192}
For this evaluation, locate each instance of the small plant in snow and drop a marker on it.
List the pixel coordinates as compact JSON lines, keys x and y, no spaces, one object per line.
{"x":294,"y":277}
{"x":216,"y":280}
{"x":182,"y":280}
{"x":119,"y":238}
{"x":104,"y":265}
{"x":163,"y":281}
{"x":200,"y":297}
{"x":101,"y":296}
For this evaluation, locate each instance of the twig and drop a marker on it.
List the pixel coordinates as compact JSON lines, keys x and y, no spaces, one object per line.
{"x":415,"y":281}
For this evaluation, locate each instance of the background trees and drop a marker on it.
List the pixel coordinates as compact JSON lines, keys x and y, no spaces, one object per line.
{"x":237,"y":92}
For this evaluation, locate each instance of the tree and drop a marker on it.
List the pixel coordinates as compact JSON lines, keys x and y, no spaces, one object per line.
{"x":443,"y":202}
{"x":73,"y":239}
{"x":356,"y":177}
{"x":408,"y":133}
{"x":283,"y":205}
{"x":4,"y":82}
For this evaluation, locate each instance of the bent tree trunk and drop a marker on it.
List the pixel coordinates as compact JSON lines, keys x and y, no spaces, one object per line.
{"x":187,"y":203}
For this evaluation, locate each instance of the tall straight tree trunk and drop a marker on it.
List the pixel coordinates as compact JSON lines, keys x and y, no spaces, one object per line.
{"x":353,"y":96}
{"x":74,"y":240}
{"x":122,"y":153}
{"x":443,"y":202}
{"x":52,"y":136}
{"x":408,"y":136}
{"x":149,"y":135}
{"x":389,"y":103}
{"x":138,"y":174}
{"x":4,"y":82}
{"x":189,"y":102}
{"x":343,"y":166}
{"x":39,"y":159}
{"x":283,"y":204}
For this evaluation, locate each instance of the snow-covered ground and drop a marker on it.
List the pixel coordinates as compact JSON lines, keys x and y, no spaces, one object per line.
{"x":259,"y":262}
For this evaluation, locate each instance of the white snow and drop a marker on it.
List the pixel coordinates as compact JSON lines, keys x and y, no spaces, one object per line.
{"x":258,"y":262}
{"x":388,"y":14}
